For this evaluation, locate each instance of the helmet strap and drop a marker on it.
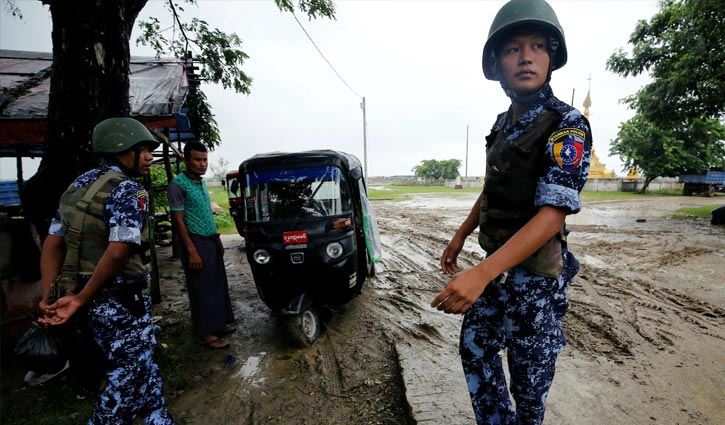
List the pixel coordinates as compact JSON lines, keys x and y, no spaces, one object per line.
{"x":133,"y":171}
{"x":520,"y":98}
{"x":553,"y":46}
{"x":136,"y":159}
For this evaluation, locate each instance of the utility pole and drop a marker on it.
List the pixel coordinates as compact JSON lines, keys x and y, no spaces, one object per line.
{"x":365,"y":139}
{"x":466,"y":178}
{"x":572,"y":96}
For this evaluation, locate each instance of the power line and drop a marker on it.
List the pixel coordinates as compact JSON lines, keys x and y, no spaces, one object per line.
{"x":362,"y":105}
{"x":323,"y":57}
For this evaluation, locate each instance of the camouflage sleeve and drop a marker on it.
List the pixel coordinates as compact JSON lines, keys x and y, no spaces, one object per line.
{"x":176,"y":196}
{"x":126,"y":212}
{"x":566,"y":166}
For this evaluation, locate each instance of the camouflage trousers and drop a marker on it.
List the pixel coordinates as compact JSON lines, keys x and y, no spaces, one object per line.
{"x":522,"y":313}
{"x":134,"y":387}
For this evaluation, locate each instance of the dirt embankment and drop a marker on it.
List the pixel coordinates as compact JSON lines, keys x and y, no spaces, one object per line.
{"x":646,"y":342}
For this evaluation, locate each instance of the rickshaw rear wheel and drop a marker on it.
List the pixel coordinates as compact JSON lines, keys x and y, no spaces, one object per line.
{"x":305,"y":327}
{"x":370,"y":266}
{"x":365,"y":268}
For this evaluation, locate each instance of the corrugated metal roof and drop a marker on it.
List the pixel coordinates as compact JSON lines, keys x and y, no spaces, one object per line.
{"x":157,"y":86}
{"x":157,"y":92}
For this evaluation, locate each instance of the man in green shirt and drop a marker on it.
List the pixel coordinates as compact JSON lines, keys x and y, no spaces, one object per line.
{"x":202,"y":253}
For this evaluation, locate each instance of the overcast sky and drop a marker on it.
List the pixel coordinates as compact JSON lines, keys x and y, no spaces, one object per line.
{"x":417,"y":63}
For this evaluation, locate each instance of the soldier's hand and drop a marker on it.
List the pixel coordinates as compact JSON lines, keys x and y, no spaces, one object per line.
{"x":60,"y":311}
{"x":461,"y":292}
{"x":449,"y":259}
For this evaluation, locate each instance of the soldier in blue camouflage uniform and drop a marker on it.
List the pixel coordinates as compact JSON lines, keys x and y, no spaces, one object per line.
{"x":102,"y":279}
{"x":537,"y":159}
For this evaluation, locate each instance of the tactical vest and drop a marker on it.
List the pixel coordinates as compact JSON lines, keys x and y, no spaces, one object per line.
{"x":82,"y":213}
{"x":512,"y":172}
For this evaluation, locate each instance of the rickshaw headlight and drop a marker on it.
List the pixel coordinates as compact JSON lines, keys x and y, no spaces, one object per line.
{"x":334,"y":250}
{"x":261,"y":256}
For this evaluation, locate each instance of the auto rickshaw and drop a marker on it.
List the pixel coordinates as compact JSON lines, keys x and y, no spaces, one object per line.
{"x":235,"y":200}
{"x":310,"y":231}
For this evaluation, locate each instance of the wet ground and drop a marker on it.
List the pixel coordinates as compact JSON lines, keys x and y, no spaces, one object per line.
{"x":646,"y":342}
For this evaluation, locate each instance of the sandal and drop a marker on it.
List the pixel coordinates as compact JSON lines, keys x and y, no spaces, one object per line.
{"x":229,"y":329}
{"x":211,"y":341}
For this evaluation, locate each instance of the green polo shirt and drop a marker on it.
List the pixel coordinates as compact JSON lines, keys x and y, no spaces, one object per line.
{"x":192,"y":197}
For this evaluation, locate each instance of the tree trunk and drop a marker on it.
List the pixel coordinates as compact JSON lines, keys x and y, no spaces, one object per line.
{"x":89,"y":82}
{"x":647,"y":181}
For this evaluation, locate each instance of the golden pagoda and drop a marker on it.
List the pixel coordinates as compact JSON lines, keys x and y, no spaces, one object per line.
{"x":633,"y":174}
{"x":597,"y":170}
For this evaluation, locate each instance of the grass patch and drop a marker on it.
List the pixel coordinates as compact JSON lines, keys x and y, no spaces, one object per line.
{"x":399,"y":192}
{"x":224,"y":221}
{"x":693,"y":212}
{"x":666,"y":192}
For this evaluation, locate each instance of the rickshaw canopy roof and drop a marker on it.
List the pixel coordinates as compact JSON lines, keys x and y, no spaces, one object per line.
{"x":281,"y":160}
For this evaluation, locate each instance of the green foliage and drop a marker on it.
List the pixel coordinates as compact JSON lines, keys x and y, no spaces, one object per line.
{"x":434,"y":169}
{"x":668,"y":153}
{"x":704,"y":211}
{"x":654,"y":151}
{"x":312,"y":8}
{"x":201,"y":118}
{"x":159,"y":180}
{"x":677,"y":127}
{"x":219,"y":53}
{"x":224,"y":221}
{"x":681,"y":47}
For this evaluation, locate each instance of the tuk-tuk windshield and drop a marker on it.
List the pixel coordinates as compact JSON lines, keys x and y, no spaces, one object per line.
{"x":289,"y":194}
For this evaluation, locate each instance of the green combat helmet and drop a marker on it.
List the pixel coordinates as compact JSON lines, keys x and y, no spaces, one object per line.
{"x":518,"y":13}
{"x":115,"y":135}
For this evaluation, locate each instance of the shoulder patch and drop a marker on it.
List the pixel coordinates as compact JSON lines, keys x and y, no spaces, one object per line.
{"x":567,"y":147}
{"x":142,"y":195}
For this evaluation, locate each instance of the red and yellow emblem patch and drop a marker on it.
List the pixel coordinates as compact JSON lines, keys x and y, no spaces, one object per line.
{"x":142,"y":195}
{"x":568,"y":147}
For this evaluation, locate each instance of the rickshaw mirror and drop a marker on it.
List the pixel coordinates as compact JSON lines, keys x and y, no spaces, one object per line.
{"x":356,"y":173}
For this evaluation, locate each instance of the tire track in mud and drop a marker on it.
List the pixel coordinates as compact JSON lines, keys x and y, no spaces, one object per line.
{"x":607,"y":315}
{"x":619,"y":307}
{"x":407,"y":280}
{"x":623,"y":315}
{"x":418,"y":238}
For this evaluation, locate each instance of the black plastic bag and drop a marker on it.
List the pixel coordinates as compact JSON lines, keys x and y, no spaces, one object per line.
{"x":38,"y":350}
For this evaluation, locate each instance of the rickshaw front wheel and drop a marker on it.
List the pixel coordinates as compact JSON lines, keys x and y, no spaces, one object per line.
{"x":305,"y":327}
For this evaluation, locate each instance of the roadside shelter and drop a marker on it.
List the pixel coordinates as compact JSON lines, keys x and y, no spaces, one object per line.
{"x":158,"y":90}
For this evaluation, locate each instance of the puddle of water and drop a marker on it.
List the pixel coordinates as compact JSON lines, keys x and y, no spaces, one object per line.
{"x":431,"y":201}
{"x":251,"y":367}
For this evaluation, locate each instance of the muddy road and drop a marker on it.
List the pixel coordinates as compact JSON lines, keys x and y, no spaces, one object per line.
{"x":646,"y":341}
